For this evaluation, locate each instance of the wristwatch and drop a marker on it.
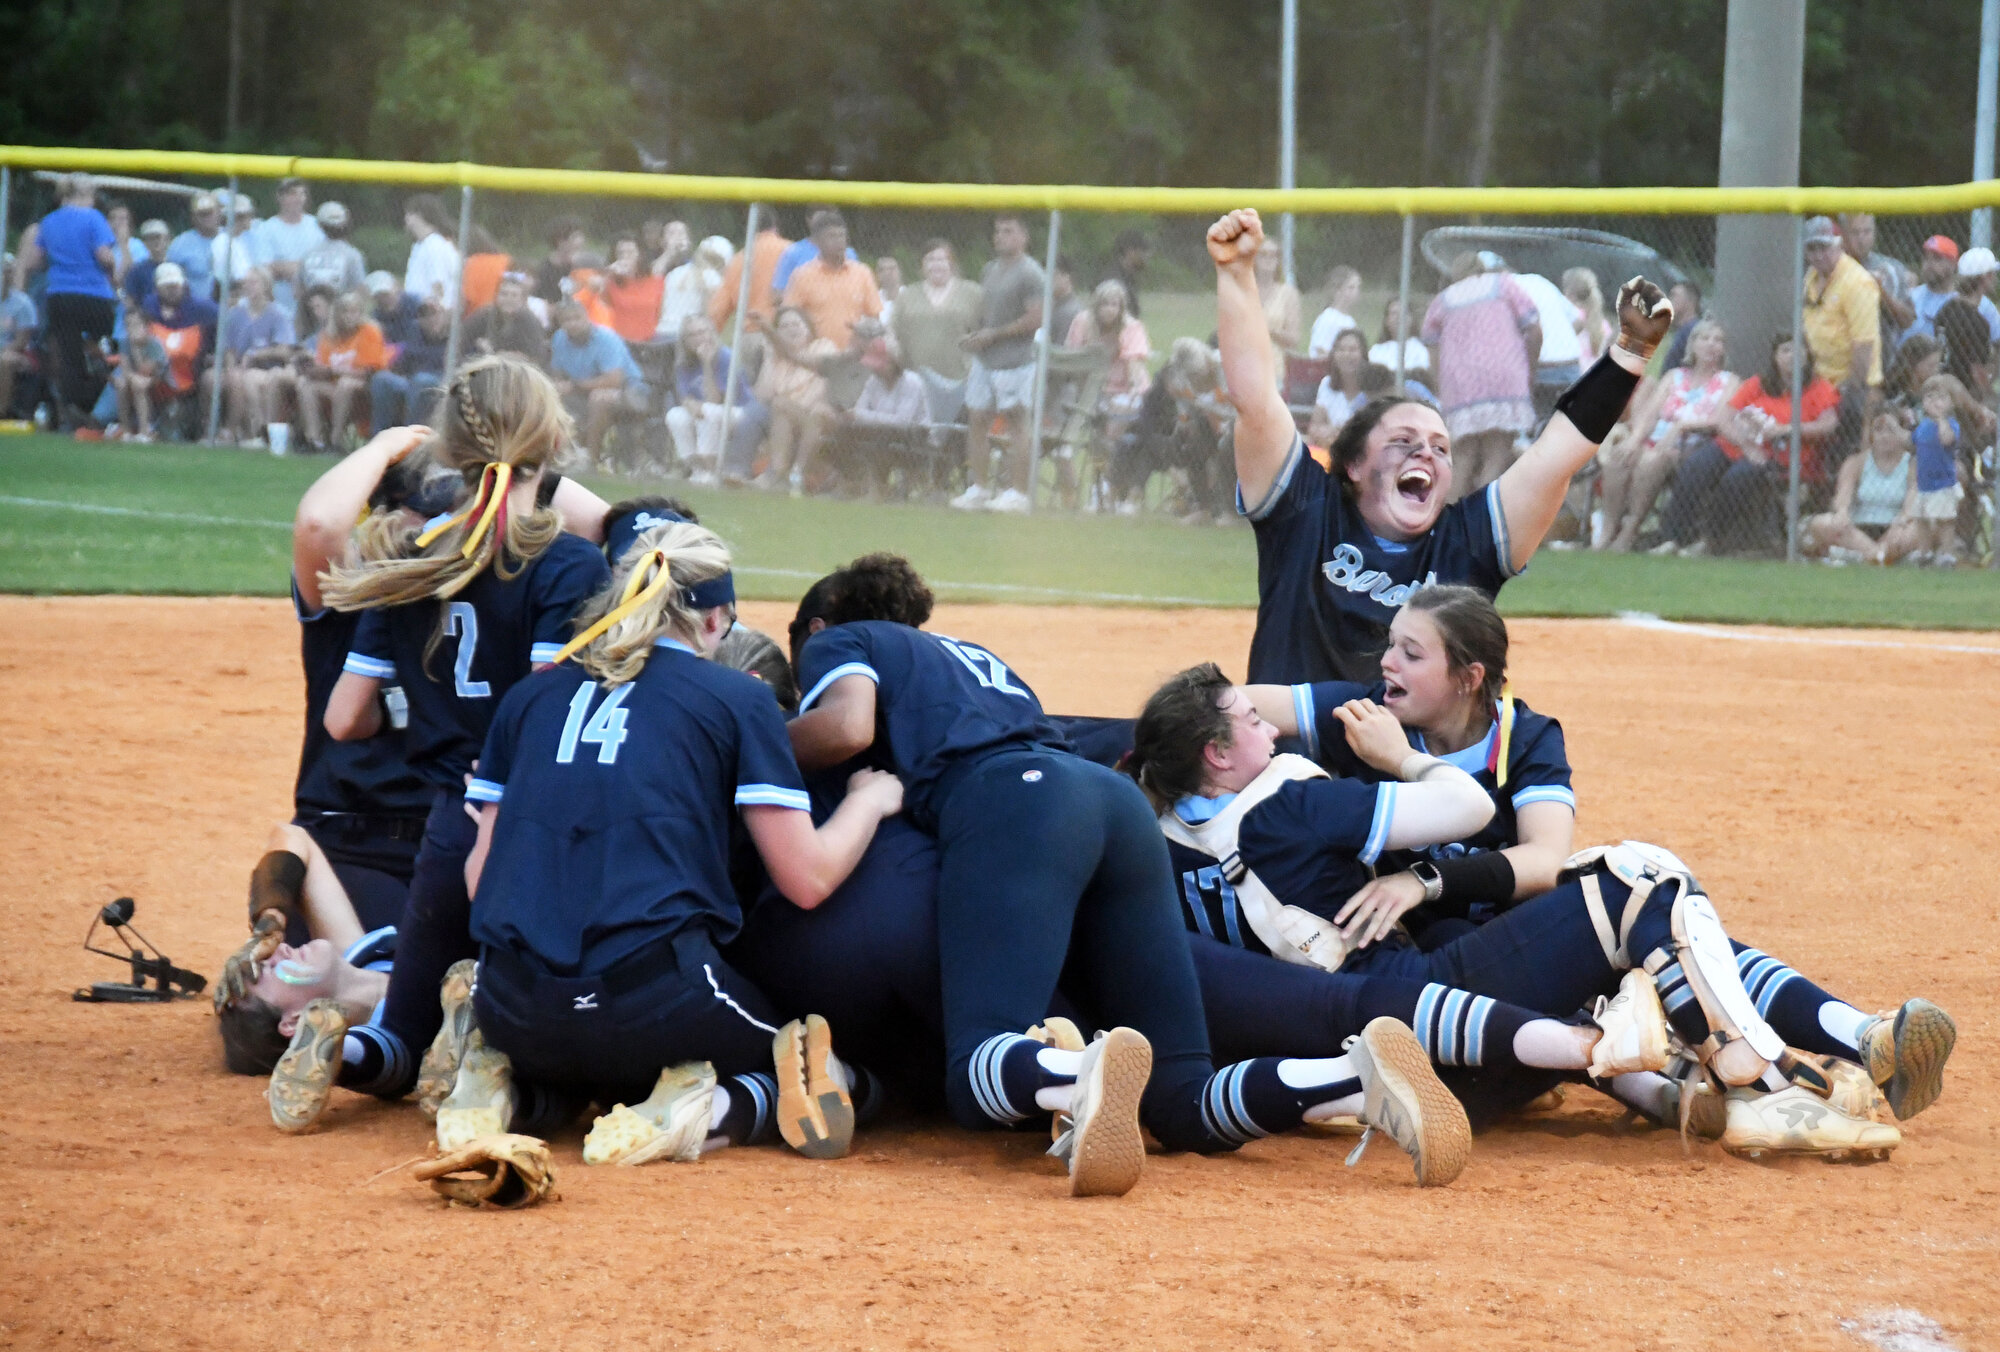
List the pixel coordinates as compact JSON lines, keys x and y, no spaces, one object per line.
{"x":1425,"y":872}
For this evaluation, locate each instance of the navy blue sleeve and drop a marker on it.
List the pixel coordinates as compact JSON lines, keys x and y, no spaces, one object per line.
{"x":369,"y":652}
{"x":1477,"y":548}
{"x":1299,"y":485}
{"x":562,"y":584}
{"x":831,"y":654}
{"x":496,"y":758}
{"x":766,"y":773}
{"x":1313,"y":706}
{"x":1323,"y":814}
{"x":1538,"y":768}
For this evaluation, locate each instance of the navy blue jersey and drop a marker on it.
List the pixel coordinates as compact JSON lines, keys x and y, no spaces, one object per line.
{"x":1312,"y":843}
{"x":616,"y":807}
{"x":374,"y":951}
{"x":366,"y":778}
{"x":1327,"y":587}
{"x":1537,"y":763}
{"x":493,"y":633}
{"x":938,"y":701}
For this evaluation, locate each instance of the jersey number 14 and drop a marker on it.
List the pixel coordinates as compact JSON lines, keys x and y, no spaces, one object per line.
{"x":605,"y":729}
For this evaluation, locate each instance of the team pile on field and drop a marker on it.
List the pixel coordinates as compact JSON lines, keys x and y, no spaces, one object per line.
{"x":570,"y":842}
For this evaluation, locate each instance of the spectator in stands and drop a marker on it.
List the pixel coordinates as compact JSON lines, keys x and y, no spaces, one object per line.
{"x":316,"y":317}
{"x":142,"y":363}
{"x":1416,"y":357}
{"x":932,"y":319}
{"x":1843,"y":322}
{"x":130,"y":250}
{"x":1377,"y":379}
{"x":595,"y":374}
{"x":1965,"y":324}
{"x":833,"y":288}
{"x":1483,"y":332}
{"x":566,"y":242}
{"x":701,"y":384}
{"x":19,"y":374}
{"x":76,"y":244}
{"x":1937,"y":440}
{"x":690,"y":286}
{"x":139,"y":277}
{"x":1892,"y":277}
{"x":796,"y":254}
{"x":405,"y":391}
{"x":508,"y":325}
{"x":665,"y":245}
{"x":1596,"y":333}
{"x":1640,"y":453}
{"x":1560,"y":360}
{"x":1000,"y":378}
{"x":889,"y":285}
{"x":235,"y":251}
{"x":484,"y":266}
{"x":193,"y":250}
{"x":888,"y":422}
{"x":1340,"y":395}
{"x":1937,"y":283}
{"x":393,"y":310}
{"x":433,"y":269}
{"x":1727,"y":487}
{"x":260,"y":343}
{"x":1918,"y":361}
{"x":1110,"y":326}
{"x":1129,"y":253}
{"x":764,"y":252}
{"x":632,"y":292}
{"x":1343,"y":293}
{"x":1062,"y":295}
{"x":1283,"y":312}
{"x":1672,"y":351}
{"x":349,"y":351}
{"x":185,"y":326}
{"x":1181,"y":429}
{"x":333,"y":262}
{"x":792,"y":388}
{"x":1874,"y":497}
{"x":282,"y":242}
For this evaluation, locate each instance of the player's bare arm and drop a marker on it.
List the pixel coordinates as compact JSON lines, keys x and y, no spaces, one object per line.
{"x":1531,"y":491}
{"x":329,"y":509}
{"x":352,"y":710}
{"x":839,"y":726}
{"x":1264,"y":427}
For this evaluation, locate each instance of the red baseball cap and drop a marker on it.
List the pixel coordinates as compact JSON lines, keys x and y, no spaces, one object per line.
{"x":1942,"y":246}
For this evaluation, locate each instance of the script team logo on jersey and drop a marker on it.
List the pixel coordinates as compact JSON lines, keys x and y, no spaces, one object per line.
{"x":1345,"y":571}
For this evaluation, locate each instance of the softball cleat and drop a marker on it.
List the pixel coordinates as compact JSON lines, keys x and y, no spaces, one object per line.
{"x":1063,"y":1035}
{"x":671,"y":1124}
{"x":1905,"y":1052}
{"x":1403,"y":1096}
{"x":447,"y":1049}
{"x":1796,"y":1121}
{"x":482,"y":1098}
{"x":1635,"y":1029}
{"x":815,"y":1109}
{"x":1102,"y":1145}
{"x":302,"y":1081}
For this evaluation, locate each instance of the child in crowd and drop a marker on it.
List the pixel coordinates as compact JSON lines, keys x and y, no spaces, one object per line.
{"x":1936,"y":444}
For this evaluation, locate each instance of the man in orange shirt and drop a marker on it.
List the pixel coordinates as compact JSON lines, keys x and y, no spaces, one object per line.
{"x":350,"y":350}
{"x":764,"y":251}
{"x":832,"y":289}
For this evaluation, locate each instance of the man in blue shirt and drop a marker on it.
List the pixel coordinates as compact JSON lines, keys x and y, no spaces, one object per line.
{"x":403,"y":393}
{"x":139,"y":277}
{"x":194,"y":247}
{"x":595,"y":373}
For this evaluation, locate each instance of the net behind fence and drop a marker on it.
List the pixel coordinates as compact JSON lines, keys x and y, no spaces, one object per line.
{"x":1048,"y":360}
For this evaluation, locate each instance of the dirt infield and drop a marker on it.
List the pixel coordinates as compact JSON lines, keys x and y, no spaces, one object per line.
{"x":1839,"y":802}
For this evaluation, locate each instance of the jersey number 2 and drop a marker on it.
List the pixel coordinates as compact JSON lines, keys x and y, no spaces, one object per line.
{"x":606,"y":729}
{"x":462,"y":622}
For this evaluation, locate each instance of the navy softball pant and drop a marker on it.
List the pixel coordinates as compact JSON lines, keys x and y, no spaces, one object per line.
{"x":434,"y":933}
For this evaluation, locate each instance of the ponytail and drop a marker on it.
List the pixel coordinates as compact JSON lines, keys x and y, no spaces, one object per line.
{"x":665,"y":581}
{"x":1181,"y":720}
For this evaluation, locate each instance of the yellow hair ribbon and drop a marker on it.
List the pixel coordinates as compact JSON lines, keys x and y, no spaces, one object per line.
{"x":1506,"y":739}
{"x":486,"y":504}
{"x":637,"y":592}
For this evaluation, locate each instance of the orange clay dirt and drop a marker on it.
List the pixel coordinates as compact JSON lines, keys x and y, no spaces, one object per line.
{"x":1839,"y":801}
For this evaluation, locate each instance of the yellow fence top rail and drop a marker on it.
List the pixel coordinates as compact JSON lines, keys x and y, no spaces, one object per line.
{"x":1953,"y":197}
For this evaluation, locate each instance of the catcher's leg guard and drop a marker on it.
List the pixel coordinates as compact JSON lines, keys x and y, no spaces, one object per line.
{"x":1702,"y":967}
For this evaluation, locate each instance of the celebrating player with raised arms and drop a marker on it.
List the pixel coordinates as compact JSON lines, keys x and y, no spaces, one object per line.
{"x":1338,"y":552}
{"x":454,"y":612}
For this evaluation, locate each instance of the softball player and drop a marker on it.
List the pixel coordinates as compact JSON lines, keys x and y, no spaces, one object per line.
{"x":1049,"y":864}
{"x":456,"y":614}
{"x":1445,"y":679}
{"x":608,"y":788}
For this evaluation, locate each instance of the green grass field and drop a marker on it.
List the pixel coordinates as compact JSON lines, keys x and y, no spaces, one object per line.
{"x":84,"y":518}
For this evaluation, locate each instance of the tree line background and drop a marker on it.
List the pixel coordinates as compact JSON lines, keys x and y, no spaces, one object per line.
{"x":1182,"y":92}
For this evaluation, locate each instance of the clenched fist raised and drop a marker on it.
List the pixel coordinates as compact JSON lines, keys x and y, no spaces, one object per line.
{"x":1645,"y":316}
{"x":1234,"y":240}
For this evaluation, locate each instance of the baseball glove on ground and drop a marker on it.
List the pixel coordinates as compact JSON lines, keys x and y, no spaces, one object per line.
{"x":501,"y":1171}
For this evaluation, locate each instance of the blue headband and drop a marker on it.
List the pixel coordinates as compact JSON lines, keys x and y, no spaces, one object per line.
{"x":716,"y":591}
{"x":618,"y":541}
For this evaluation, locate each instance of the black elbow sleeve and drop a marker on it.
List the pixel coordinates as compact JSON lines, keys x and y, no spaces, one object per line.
{"x":1597,"y":401}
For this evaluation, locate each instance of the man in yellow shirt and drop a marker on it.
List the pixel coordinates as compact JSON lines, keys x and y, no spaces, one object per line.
{"x":1842,"y":309}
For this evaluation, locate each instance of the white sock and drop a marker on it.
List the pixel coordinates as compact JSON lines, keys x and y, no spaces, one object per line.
{"x":1347,"y":1105}
{"x":1552,"y":1045}
{"x":1056,"y":1061}
{"x":1055,"y":1098}
{"x":1644,"y":1091}
{"x":1843,"y":1022}
{"x":719,"y":1109}
{"x":1300,"y":1073}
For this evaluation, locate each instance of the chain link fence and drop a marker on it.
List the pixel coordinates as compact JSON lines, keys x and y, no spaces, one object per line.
{"x":897,"y":376}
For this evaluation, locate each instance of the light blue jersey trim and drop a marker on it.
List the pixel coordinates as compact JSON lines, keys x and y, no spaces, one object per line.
{"x":1378,"y":829}
{"x":364,"y":943}
{"x":663,"y":641}
{"x":1471,"y":759}
{"x":544,"y":652}
{"x":772,"y":795}
{"x":362,"y":665}
{"x":1501,"y":543}
{"x":485,"y":791}
{"x":1308,"y":718}
{"x":1278,"y":486}
{"x":1544,"y":793}
{"x":844,"y":669}
{"x":1194,"y":809}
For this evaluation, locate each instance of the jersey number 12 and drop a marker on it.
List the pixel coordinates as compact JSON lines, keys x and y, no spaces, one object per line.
{"x":606,"y":729}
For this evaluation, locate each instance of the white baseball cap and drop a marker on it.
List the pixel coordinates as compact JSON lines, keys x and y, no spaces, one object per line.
{"x":331,"y":213}
{"x":169,"y":274}
{"x":154,"y":227}
{"x":382,"y":283}
{"x":1977,"y":263}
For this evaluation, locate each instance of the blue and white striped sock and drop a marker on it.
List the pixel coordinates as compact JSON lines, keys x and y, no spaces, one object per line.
{"x":1006,"y":1074}
{"x":1452,"y":1026}
{"x":750,"y":1118}
{"x":376,"y":1061}
{"x":1254,"y":1099}
{"x":1801,"y":1013}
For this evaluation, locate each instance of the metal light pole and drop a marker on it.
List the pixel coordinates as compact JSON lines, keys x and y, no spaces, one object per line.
{"x":1798,"y":376}
{"x":458,"y":303}
{"x":730,"y":385}
{"x":222,"y":312}
{"x":1989,"y":109}
{"x":1288,"y":125}
{"x":1044,"y":339}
